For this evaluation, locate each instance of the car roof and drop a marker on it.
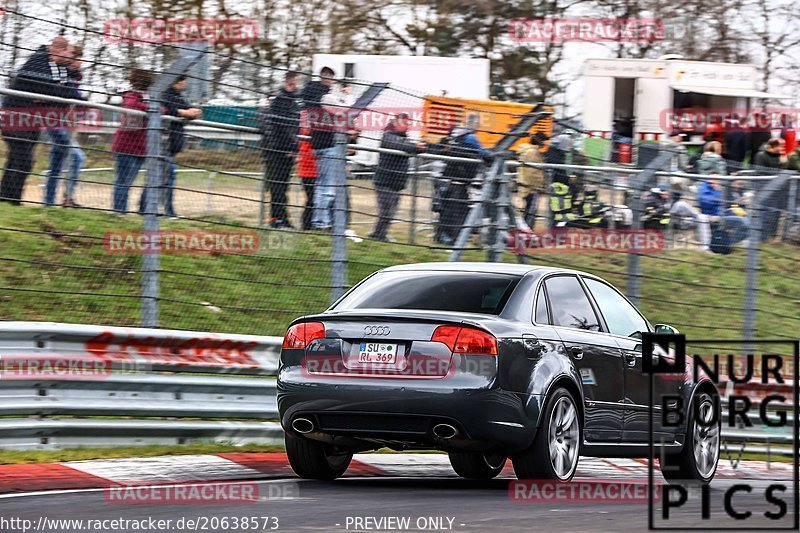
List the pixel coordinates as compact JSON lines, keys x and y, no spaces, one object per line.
{"x":458,"y":266}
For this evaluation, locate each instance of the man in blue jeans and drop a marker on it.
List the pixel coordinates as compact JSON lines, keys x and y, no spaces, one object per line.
{"x":323,"y":143}
{"x":59,"y":151}
{"x":177,"y":106}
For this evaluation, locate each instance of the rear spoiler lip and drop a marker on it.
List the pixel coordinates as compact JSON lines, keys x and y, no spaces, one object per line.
{"x":473,"y":319}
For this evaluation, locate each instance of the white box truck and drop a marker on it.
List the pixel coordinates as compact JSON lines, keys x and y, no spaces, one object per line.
{"x":640,"y":95}
{"x":411,"y":78}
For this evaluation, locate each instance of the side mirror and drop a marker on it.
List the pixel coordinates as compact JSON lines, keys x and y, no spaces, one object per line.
{"x":666,"y":329}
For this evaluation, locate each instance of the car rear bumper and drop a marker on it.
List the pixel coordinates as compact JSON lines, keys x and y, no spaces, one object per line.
{"x":402,"y":415}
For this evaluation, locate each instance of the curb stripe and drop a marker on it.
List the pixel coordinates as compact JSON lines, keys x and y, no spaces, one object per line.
{"x":31,"y":477}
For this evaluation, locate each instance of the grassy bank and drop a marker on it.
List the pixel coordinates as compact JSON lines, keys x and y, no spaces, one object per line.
{"x":54,"y":267}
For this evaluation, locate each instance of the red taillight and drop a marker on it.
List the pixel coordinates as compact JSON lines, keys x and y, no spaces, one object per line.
{"x":466,"y":340}
{"x":300,"y":335}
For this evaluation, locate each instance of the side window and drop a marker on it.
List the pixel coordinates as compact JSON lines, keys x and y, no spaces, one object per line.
{"x":621,"y":317}
{"x":569,"y":304}
{"x":540,"y":315}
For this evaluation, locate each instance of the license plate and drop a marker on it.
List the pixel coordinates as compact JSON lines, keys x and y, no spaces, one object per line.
{"x":377,"y":352}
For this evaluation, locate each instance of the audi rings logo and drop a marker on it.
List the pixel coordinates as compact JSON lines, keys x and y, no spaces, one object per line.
{"x":376,"y":331}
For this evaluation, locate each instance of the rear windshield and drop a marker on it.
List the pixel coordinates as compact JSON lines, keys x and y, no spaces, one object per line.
{"x":466,"y":292}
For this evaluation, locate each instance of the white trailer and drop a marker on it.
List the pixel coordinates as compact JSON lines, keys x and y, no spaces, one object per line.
{"x":647,"y":92}
{"x":411,"y":78}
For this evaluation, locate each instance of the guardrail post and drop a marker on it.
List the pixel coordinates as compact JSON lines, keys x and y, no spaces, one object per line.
{"x":339,"y":225}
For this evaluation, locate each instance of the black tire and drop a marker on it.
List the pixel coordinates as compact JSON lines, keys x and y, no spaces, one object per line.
{"x":687,"y":466}
{"x":477,"y":465}
{"x":312,"y":459}
{"x":536,"y":461}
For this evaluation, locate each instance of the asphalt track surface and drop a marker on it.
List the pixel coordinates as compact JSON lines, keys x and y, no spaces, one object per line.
{"x":429,"y":504}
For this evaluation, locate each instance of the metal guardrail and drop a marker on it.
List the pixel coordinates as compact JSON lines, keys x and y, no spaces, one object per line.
{"x":167,"y":387}
{"x":147,"y":386}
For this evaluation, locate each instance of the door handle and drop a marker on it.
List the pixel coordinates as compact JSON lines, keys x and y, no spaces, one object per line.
{"x":631,"y":357}
{"x":533,"y":347}
{"x":577,"y":352}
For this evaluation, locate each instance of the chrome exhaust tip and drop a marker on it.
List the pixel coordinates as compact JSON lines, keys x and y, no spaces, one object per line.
{"x":302,"y":425}
{"x":444,"y":431}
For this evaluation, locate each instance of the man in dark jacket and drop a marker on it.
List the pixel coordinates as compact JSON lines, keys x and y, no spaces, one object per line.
{"x":463,"y":143}
{"x":392,"y":173}
{"x":177,"y":106}
{"x":760,"y":133}
{"x":767,"y":162}
{"x":279,"y":129}
{"x":735,"y":142}
{"x":45,"y":72}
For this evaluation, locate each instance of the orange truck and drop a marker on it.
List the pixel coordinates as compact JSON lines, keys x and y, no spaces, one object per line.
{"x":496,"y":118}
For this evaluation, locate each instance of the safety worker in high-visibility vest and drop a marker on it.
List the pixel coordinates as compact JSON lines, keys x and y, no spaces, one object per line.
{"x":656,"y":208}
{"x":591,"y":213}
{"x":561,"y":201}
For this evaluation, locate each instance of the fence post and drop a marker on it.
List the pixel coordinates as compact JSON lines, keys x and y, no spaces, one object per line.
{"x":339,"y":225}
{"x":154,"y":181}
{"x":503,"y":217}
{"x":791,"y":215}
{"x":760,"y":201}
{"x":262,"y":200}
{"x":638,"y":184}
{"x":751,"y":274}
{"x":412,"y":227}
{"x":152,"y":192}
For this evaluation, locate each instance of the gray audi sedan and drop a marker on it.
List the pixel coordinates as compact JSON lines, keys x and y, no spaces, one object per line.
{"x":487,"y":362}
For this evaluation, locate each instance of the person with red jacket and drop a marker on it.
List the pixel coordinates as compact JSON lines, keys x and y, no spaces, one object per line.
{"x":130,"y":140}
{"x":307,"y":171}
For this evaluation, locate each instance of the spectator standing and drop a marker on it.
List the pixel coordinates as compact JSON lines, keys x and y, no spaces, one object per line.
{"x":281,"y":128}
{"x":788,"y":132}
{"x":391,"y":175}
{"x":323,"y":146}
{"x":760,"y":133}
{"x":531,"y":181}
{"x":560,"y":146}
{"x":130,"y":140}
{"x":76,"y":154}
{"x":174,"y":105}
{"x":736,"y":142}
{"x":45,"y":72}
{"x":306,"y":171}
{"x":463,"y":143}
{"x":711,"y":162}
{"x":770,"y":161}
{"x":63,"y":143}
{"x":680,"y":158}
